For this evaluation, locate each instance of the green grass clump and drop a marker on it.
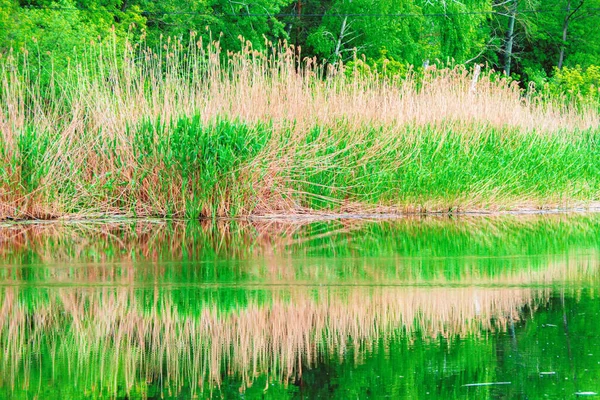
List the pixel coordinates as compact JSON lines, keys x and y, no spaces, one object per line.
{"x":429,"y":168}
{"x":190,"y":168}
{"x":205,"y":160}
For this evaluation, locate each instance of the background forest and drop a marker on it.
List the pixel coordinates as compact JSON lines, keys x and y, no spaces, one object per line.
{"x":531,"y":40}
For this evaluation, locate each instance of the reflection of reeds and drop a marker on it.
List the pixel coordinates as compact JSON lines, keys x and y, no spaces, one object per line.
{"x":154,"y":239}
{"x":196,"y":304}
{"x":110,"y":338}
{"x":404,"y":251}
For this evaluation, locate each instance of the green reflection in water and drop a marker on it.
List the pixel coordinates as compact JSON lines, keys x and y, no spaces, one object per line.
{"x":553,"y":354}
{"x":410,"y":308}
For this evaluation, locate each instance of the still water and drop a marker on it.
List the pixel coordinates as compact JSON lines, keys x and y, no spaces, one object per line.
{"x":470,"y":308}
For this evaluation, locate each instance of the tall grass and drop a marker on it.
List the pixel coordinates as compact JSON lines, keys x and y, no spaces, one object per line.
{"x":191,"y":132}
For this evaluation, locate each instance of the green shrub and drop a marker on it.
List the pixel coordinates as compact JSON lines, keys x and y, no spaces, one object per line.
{"x":577,"y":84}
{"x":385,"y":67}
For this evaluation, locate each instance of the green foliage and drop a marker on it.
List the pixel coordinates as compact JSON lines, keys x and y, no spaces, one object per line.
{"x":208,"y":158}
{"x":538,"y":36}
{"x":32,"y":149}
{"x":538,"y":77}
{"x":7,"y":23}
{"x":456,"y":31}
{"x":228,"y":20}
{"x":409,"y":31}
{"x":369,"y":34}
{"x":578,"y":84}
{"x":384,"y":66}
{"x":56,"y":32}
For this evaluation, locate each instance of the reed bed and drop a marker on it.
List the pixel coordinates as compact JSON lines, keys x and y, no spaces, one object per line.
{"x":191,"y":132}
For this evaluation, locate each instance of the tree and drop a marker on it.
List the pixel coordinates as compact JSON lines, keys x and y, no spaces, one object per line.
{"x":455,"y":30}
{"x":510,"y":36}
{"x":580,"y":17}
{"x":408,"y":30}
{"x":546,"y":34}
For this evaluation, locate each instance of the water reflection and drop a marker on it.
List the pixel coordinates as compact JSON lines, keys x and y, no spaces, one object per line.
{"x":117,"y":337}
{"x":260,"y":309}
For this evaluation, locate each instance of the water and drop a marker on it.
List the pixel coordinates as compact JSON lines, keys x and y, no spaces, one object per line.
{"x":498,"y":307}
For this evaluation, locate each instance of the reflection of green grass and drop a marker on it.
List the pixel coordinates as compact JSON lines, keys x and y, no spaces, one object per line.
{"x":419,"y":370}
{"x":108,"y":341}
{"x":356,"y":355}
{"x":399,"y":251}
{"x":159,"y":297}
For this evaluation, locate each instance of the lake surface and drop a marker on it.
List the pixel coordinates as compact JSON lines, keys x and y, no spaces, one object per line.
{"x":471,"y":307}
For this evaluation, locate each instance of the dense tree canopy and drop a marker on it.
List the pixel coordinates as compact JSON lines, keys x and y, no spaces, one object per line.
{"x":535,"y":37}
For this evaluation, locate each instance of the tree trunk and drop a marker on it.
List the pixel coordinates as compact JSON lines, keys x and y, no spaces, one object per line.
{"x":570,"y":13}
{"x":340,"y":38}
{"x":561,"y":56}
{"x":510,"y":35}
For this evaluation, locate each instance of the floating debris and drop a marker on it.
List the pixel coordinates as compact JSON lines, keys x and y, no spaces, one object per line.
{"x":486,"y":384}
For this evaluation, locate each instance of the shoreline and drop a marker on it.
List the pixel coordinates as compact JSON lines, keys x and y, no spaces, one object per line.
{"x":461,"y":213}
{"x":317,"y":216}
